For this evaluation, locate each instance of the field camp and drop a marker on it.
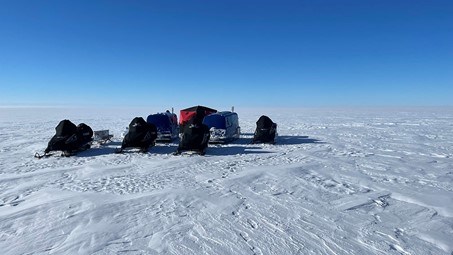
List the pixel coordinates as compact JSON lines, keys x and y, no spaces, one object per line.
{"x":198,"y":126}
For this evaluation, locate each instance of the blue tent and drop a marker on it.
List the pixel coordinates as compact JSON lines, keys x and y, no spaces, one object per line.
{"x":223,"y":126}
{"x":215,"y":120}
{"x":166,"y":124}
{"x":160,"y":120}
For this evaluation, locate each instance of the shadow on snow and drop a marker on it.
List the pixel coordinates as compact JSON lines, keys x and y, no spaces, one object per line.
{"x":239,"y":146}
{"x":280,"y":140}
{"x":294,"y":139}
{"x":222,"y":150}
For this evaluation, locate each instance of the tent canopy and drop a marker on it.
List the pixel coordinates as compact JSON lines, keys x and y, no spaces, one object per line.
{"x":161,"y":120}
{"x":215,"y":120}
{"x":197,"y":113}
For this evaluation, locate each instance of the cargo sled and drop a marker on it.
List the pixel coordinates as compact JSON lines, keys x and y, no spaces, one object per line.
{"x":194,"y":134}
{"x":266,"y":131}
{"x":223,"y":127}
{"x":166,"y":124}
{"x":102,"y":136}
{"x":141,"y":135}
{"x":69,"y":139}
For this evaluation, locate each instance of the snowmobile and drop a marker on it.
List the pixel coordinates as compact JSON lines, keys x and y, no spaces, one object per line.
{"x":69,"y":139}
{"x":266,"y":131}
{"x":140,"y":135}
{"x":194,"y":139}
{"x":194,"y":135}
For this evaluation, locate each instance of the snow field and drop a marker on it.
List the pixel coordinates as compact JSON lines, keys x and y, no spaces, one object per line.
{"x":336,"y":182}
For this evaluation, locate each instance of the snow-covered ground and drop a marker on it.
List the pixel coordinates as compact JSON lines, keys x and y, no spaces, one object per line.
{"x":337,"y":182}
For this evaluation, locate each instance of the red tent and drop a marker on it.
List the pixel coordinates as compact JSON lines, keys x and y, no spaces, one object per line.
{"x":198,"y":112}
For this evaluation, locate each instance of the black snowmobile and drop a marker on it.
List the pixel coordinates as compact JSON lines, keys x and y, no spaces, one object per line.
{"x":266,"y":131}
{"x":141,"y":135}
{"x":69,"y":139}
{"x":194,"y":137}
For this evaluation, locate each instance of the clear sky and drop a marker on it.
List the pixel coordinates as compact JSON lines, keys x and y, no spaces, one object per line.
{"x":226,"y":52}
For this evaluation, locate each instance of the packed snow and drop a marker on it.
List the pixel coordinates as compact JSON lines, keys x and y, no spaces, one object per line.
{"x":349,"y":181}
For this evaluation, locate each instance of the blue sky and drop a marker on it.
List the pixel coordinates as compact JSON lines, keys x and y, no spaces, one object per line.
{"x":221,"y":53}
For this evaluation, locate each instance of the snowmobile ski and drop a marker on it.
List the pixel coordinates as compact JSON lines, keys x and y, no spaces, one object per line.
{"x":44,"y":155}
{"x":189,"y":152}
{"x":131,"y":149}
{"x":64,"y":153}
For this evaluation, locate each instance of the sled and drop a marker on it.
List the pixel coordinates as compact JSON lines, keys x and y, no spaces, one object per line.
{"x":102,"y":136}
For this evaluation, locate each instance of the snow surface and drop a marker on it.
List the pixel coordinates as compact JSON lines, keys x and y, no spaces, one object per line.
{"x":351,"y":181}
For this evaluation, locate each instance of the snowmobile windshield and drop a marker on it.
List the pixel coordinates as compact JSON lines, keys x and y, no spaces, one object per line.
{"x":264,"y":122}
{"x":215,"y":121}
{"x":161,"y":121}
{"x":65,"y":128}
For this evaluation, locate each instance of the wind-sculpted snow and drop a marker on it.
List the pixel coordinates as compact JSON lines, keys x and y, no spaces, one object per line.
{"x":336,"y":182}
